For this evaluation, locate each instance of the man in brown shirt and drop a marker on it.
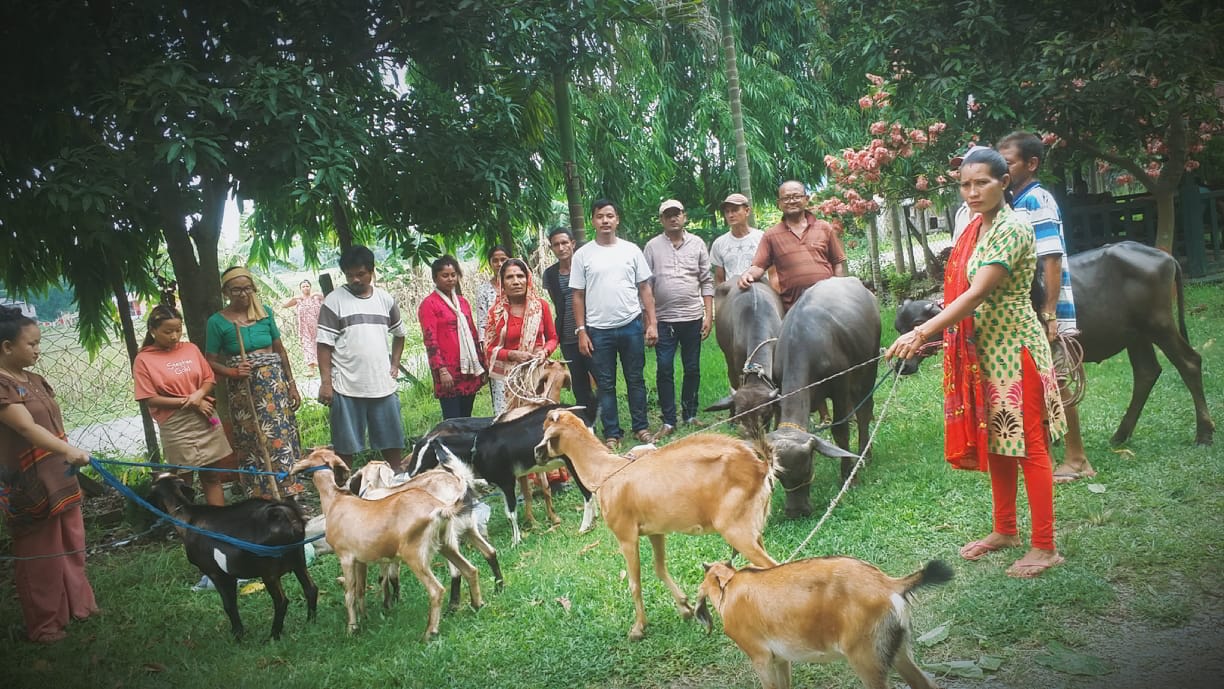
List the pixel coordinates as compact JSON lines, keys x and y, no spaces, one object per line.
{"x":801,"y":249}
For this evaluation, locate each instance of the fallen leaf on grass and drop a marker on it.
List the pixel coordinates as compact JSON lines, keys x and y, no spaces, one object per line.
{"x":251,"y":588}
{"x":1063,"y":659}
{"x":1207,"y":345}
{"x":588,"y":548}
{"x":934,"y":636}
{"x":958,"y":668}
{"x":1096,"y":487}
{"x":565,"y":603}
{"x":154,"y":667}
{"x":990,"y":663}
{"x":1124,"y":452}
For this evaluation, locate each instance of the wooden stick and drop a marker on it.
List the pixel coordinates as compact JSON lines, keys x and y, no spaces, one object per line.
{"x":263,"y":442}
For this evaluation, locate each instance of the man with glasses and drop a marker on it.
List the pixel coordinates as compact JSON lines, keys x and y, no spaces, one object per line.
{"x":801,"y":249}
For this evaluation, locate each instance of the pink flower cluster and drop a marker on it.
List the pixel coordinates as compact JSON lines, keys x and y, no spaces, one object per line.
{"x":855,"y":168}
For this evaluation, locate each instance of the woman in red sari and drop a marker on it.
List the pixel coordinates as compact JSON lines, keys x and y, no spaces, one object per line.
{"x":1002,"y":404}
{"x":520,"y":326}
{"x":451,"y":341}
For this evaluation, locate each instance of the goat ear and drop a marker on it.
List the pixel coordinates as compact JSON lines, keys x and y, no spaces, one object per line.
{"x":703,"y":614}
{"x":354,"y":484}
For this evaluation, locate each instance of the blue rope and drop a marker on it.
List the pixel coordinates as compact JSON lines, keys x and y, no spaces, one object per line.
{"x":280,"y":475}
{"x":255,"y":548}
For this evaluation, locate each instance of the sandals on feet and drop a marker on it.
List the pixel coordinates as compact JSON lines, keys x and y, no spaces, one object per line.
{"x":644,"y":436}
{"x":1021,"y":569}
{"x":979,"y":549}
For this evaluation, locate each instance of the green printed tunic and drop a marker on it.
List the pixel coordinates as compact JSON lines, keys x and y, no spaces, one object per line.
{"x":1005,"y":326}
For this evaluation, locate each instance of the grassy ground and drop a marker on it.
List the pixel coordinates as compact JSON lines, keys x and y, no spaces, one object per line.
{"x":1142,"y":543}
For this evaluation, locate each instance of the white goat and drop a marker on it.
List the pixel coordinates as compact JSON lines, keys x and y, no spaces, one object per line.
{"x":408,"y":524}
{"x":701,"y":484}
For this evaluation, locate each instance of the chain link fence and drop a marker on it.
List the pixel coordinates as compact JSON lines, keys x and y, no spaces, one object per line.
{"x":96,"y":393}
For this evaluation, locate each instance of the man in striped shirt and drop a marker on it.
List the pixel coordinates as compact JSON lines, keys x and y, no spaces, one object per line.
{"x":1024,"y":152}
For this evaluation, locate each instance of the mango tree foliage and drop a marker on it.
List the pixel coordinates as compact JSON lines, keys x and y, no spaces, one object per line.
{"x":1131,"y":84}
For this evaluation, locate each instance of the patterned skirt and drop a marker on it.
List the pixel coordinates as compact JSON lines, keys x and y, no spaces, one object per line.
{"x":263,"y":421}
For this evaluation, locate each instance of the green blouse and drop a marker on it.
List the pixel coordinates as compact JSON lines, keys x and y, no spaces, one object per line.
{"x":223,"y":335}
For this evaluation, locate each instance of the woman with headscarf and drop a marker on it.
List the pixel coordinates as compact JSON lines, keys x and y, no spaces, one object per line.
{"x":520,"y":327}
{"x":244,"y":348}
{"x":1002,"y":405}
{"x":451,"y":341}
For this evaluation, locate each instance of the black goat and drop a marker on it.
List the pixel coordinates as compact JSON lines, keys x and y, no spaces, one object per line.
{"x":256,"y":521}
{"x":499,"y":453}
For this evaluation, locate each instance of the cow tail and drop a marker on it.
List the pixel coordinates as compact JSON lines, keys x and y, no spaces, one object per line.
{"x":1181,"y":302}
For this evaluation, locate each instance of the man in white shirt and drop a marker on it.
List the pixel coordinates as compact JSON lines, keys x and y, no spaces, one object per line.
{"x":614,"y":315}
{"x":731,"y":253}
{"x":357,"y":367}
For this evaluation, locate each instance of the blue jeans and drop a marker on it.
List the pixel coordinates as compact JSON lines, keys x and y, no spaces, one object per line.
{"x":629,"y":342}
{"x":686,"y":335}
{"x":581,"y":369}
{"x":456,"y":407}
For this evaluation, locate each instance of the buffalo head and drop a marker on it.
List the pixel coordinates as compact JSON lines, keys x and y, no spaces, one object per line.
{"x":792,"y":449}
{"x":912,"y":313}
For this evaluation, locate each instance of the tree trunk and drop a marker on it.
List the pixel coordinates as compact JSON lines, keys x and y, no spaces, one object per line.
{"x":894,"y":222}
{"x":909,"y":240}
{"x":933,"y":269}
{"x":1166,"y":219}
{"x":199,"y":279}
{"x":565,"y":132}
{"x":873,"y":251}
{"x":128,"y":328}
{"x":344,"y":229}
{"x":504,"y":236}
{"x":733,"y":97}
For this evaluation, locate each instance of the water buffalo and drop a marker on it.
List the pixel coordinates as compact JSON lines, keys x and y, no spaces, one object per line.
{"x":1124,"y":297}
{"x":834,"y":326}
{"x":748,"y":322}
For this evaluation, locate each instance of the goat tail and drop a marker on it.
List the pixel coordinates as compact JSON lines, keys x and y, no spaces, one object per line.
{"x":934,"y":573}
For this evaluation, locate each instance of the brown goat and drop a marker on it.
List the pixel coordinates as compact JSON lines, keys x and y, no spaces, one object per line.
{"x":817,"y":610}
{"x":408,"y":524}
{"x":700,"y":484}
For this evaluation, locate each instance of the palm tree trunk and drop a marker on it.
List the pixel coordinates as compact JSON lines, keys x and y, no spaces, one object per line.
{"x":565,"y":132}
{"x":733,"y":97}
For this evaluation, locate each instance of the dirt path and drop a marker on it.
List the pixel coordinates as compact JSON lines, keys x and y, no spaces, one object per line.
{"x":1141,"y":656}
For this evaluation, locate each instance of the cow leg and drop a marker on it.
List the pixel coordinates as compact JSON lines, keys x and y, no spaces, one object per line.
{"x":658,"y":545}
{"x":1190,"y":366}
{"x":1145,"y":369}
{"x":841,"y":431}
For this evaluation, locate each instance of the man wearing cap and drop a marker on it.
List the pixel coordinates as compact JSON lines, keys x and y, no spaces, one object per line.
{"x":1024,"y":152}
{"x":615,"y":316}
{"x":684,"y":305}
{"x":801,"y":249}
{"x":732,"y":253}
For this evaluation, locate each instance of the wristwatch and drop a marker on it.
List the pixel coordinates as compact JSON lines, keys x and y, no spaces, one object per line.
{"x":579,"y":329}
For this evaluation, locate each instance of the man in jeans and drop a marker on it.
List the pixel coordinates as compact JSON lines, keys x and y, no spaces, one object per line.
{"x":684,"y":305}
{"x":614,"y":315}
{"x":557,"y":282}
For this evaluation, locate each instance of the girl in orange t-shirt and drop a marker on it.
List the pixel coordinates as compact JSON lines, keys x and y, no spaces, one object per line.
{"x":176,"y":382}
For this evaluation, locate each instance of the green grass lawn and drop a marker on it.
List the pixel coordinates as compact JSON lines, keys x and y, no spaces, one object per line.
{"x":1142,"y":543}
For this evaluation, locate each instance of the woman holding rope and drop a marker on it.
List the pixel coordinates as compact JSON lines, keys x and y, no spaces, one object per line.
{"x":451,"y":341}
{"x":520,"y":326}
{"x":174,"y":379}
{"x":1002,"y":403}
{"x":244,"y":347}
{"x":40,"y":499}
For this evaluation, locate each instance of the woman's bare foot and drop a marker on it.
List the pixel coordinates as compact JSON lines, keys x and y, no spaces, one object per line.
{"x":977,"y":550}
{"x":1034,"y":563}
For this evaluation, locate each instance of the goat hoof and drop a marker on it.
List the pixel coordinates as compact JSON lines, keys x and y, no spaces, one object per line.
{"x":637,"y":634}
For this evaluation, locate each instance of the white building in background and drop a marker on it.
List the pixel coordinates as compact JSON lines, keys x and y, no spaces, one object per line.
{"x":27,"y":310}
